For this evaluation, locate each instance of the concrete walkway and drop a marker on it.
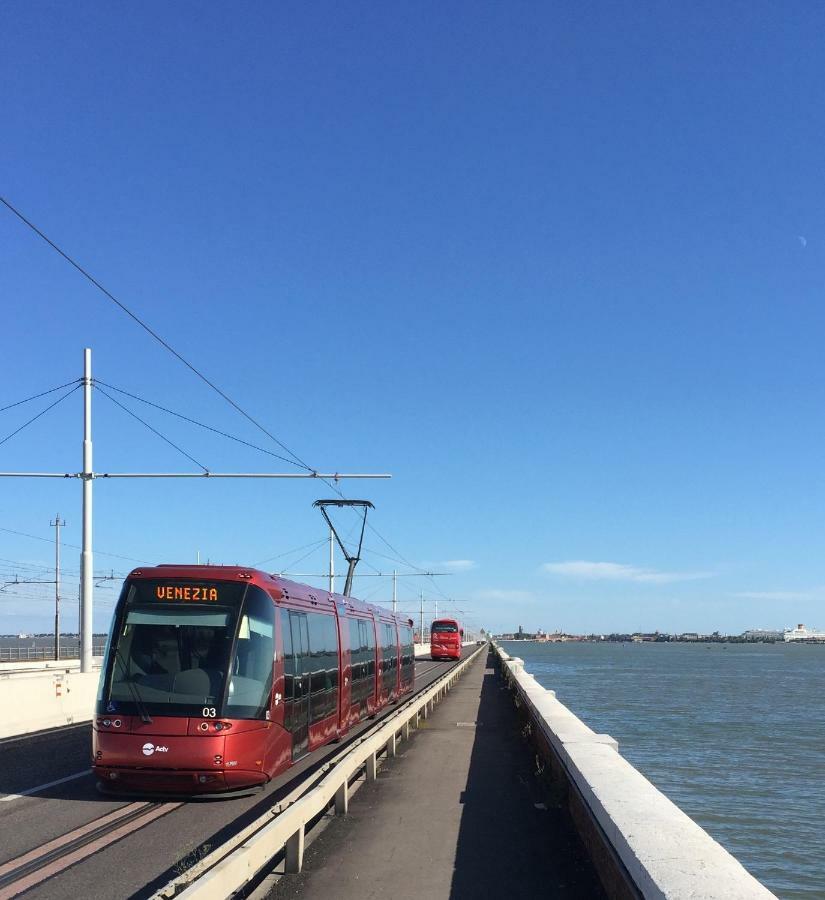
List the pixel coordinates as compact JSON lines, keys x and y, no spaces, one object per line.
{"x":455,"y":815}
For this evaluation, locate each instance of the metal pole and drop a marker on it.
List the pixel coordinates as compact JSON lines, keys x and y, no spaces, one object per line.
{"x":86,"y":565}
{"x":394,"y":591}
{"x":57,"y":523}
{"x":331,"y":561}
{"x":422,"y":617}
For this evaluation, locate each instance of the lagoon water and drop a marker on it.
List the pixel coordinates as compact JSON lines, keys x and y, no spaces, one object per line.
{"x":734,"y":734}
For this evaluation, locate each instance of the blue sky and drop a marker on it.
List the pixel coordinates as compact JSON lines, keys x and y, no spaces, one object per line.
{"x":556,"y":267}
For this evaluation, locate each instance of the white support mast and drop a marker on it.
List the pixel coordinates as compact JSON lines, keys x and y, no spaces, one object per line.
{"x":86,"y":560}
{"x":57,"y":524}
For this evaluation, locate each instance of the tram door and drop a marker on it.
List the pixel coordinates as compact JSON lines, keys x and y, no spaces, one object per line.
{"x":300,"y":694}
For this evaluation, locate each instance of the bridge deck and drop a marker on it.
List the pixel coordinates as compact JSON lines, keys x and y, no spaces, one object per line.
{"x":458,"y":814}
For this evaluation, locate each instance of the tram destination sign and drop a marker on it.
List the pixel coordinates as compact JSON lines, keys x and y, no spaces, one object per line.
{"x":154,"y":590}
{"x":193,"y":593}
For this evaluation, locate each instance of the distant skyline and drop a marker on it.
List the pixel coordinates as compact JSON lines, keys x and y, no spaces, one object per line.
{"x":558,"y":269}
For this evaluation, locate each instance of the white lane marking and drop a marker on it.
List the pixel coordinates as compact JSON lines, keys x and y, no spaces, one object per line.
{"x":42,"y":787}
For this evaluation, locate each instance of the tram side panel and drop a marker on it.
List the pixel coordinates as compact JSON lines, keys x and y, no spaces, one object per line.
{"x":362,"y":654}
{"x":312,"y":669}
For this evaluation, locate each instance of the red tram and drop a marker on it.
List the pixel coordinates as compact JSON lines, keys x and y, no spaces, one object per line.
{"x":218,"y":678}
{"x":445,"y":639}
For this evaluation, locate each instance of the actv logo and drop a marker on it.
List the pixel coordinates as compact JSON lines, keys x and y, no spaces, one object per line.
{"x":149,"y":749}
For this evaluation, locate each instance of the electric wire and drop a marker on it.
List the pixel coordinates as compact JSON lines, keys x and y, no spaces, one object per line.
{"x":400,"y":559}
{"x":35,"y":537}
{"x":153,"y":430}
{"x":42,"y":394}
{"x":406,"y":561}
{"x":309,"y":553}
{"x":289,"y":552}
{"x":89,"y":277}
{"x":192,"y":421}
{"x":41,"y":413}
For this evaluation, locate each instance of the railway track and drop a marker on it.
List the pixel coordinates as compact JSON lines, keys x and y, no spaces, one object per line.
{"x":53,"y":857}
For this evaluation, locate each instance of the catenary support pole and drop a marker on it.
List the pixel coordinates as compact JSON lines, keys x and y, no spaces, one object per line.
{"x":86,"y":563}
{"x":57,"y":523}
{"x":394,"y":591}
{"x":422,"y":617}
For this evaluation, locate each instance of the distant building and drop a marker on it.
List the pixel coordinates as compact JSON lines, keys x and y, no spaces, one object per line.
{"x":761,"y":634}
{"x":801,"y":633}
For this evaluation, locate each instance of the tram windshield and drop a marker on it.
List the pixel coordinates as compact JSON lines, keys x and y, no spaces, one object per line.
{"x":169,"y":657}
{"x":444,"y":628}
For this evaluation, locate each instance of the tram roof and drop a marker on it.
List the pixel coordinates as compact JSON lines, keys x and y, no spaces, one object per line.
{"x":288,"y":588}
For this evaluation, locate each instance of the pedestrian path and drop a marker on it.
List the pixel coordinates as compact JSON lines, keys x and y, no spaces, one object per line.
{"x":458,"y":814}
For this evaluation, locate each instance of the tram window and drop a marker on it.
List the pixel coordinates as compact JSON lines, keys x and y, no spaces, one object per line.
{"x":288,"y":655}
{"x":407,"y":653}
{"x":175,"y":656}
{"x":369,"y":637}
{"x":362,"y":657}
{"x":250,"y":685}
{"x":389,"y":656}
{"x":322,"y":666}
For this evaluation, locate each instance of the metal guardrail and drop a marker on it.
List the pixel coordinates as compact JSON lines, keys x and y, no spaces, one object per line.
{"x":283,"y":828}
{"x":21,"y":654}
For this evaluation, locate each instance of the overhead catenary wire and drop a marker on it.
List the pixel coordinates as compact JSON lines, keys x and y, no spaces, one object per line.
{"x":192,"y":421}
{"x":400,"y":559}
{"x":41,"y":413}
{"x":309,"y":553}
{"x":153,"y":430}
{"x":35,"y":537}
{"x":41,"y":394}
{"x":289,"y":552}
{"x":92,"y":280}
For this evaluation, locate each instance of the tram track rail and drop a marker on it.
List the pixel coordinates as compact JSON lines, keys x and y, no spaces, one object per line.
{"x":54,"y":856}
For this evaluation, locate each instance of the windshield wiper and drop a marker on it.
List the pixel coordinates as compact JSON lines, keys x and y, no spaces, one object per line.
{"x":133,"y":689}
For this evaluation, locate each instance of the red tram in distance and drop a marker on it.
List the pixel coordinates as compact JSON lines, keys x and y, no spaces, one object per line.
{"x":445,"y":639}
{"x":218,"y":678}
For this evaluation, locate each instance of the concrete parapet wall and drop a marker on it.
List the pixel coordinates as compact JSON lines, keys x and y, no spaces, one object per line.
{"x":649,"y":847}
{"x":38,"y":665}
{"x":45,"y":698}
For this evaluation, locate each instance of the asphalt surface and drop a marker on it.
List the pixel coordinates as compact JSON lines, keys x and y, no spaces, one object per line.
{"x":458,"y":814}
{"x":145,"y":859}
